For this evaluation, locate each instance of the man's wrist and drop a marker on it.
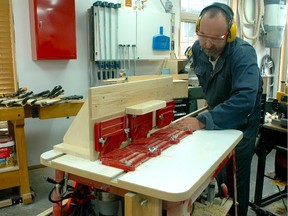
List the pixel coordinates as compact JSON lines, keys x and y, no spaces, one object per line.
{"x":201,"y":124}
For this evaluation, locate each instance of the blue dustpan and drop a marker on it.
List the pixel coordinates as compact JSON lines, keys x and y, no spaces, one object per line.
{"x":161,"y":42}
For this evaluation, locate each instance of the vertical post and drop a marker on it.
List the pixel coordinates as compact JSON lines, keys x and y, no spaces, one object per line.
{"x":140,"y":205}
{"x":231,"y":179}
{"x":22,"y":160}
{"x":261,"y":154}
{"x":57,"y":207}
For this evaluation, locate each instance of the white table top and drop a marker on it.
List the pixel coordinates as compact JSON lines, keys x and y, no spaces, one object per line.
{"x":178,"y":173}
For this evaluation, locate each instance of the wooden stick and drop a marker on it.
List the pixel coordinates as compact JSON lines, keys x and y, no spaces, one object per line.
{"x":191,"y":114}
{"x":177,"y":120}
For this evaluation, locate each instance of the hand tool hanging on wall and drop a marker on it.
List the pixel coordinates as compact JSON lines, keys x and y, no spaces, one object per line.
{"x":111,"y":63}
{"x":98,"y":38}
{"x":172,"y":48}
{"x":134,"y":59}
{"x":106,"y":55}
{"x":117,"y":64}
{"x":128,"y":63}
{"x":119,"y":48}
{"x":122,"y":57}
{"x":104,"y":5}
{"x":98,"y":42}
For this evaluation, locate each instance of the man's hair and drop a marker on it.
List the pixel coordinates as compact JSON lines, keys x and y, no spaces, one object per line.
{"x":214,"y":11}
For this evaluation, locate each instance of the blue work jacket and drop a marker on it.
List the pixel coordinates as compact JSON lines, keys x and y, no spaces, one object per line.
{"x":233,"y":89}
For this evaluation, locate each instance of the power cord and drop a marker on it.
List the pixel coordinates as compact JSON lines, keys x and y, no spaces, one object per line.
{"x":57,"y":185}
{"x":80,"y":198}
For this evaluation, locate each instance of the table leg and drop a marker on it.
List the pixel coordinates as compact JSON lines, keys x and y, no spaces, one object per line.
{"x":261,"y":153}
{"x":20,"y":139}
{"x":141,"y":205}
{"x":231,"y":179}
{"x":57,"y":207}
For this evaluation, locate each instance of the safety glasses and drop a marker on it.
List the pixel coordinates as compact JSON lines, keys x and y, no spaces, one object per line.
{"x":212,"y":38}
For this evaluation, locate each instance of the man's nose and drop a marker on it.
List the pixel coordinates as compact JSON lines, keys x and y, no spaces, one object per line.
{"x":208,"y":43}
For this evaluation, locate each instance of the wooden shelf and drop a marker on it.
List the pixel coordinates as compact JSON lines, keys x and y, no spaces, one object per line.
{"x":17,"y":176}
{"x":9,"y":169}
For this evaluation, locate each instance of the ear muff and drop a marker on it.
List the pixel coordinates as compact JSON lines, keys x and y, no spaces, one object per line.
{"x":232,"y":33}
{"x":228,"y":11}
{"x":197,"y":25}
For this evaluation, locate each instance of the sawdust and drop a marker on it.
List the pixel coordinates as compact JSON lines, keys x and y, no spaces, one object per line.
{"x":210,"y":210}
{"x":278,"y":207}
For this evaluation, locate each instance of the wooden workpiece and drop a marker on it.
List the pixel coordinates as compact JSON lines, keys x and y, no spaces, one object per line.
{"x":180,"y":83}
{"x":145,"y":107}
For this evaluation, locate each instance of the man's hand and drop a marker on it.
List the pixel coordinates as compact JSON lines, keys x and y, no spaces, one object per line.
{"x":189,"y":123}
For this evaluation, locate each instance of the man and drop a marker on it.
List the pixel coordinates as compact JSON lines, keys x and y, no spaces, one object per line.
{"x":227,"y":69}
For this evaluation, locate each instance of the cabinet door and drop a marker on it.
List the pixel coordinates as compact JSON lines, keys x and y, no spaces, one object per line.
{"x":53,"y":29}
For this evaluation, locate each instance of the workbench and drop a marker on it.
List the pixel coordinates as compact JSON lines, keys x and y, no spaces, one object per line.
{"x":179,"y":175}
{"x":272,"y":136}
{"x":175,"y":177}
{"x":17,"y":176}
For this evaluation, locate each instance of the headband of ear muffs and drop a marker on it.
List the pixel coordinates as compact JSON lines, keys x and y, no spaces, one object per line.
{"x":229,"y":13}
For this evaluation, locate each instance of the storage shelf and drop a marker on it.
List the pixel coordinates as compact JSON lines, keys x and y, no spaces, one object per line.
{"x":9,"y":169}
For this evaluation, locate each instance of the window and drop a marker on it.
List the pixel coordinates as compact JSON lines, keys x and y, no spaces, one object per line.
{"x":190,"y":10}
{"x":7,"y":68}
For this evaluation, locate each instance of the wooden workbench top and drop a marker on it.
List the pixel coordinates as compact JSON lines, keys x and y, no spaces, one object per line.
{"x":11,"y":113}
{"x":65,"y":109}
{"x":179,"y":172}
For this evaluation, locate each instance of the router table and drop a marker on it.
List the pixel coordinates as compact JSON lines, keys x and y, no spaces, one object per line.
{"x":171,"y":180}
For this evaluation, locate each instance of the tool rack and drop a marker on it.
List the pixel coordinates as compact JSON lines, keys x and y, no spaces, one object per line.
{"x":17,"y":176}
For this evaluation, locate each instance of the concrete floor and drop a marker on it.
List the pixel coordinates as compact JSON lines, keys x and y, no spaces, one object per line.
{"x":42,"y":188}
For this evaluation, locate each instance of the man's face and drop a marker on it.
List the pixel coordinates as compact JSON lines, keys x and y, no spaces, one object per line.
{"x":212,"y":34}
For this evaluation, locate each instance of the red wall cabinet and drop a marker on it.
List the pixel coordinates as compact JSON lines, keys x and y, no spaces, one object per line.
{"x":53,"y":29}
